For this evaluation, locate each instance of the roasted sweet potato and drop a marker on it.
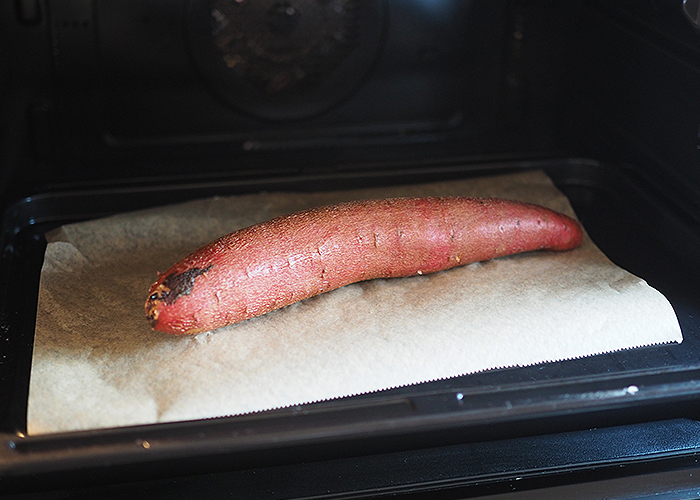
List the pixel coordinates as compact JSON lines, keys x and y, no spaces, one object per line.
{"x":287,"y":259}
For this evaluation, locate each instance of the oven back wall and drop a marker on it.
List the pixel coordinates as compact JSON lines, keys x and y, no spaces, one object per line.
{"x":155,"y":87}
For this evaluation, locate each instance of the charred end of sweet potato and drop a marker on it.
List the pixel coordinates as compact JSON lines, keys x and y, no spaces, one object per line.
{"x":171,"y":288}
{"x":152,"y":311}
{"x":176,"y":285}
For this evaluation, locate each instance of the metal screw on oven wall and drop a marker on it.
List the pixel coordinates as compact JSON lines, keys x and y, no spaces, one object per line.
{"x":692,"y":11}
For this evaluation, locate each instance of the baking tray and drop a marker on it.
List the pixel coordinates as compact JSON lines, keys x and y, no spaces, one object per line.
{"x":632,"y":221}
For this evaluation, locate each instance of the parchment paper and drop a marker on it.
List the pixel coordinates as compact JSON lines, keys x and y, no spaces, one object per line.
{"x":98,"y":364}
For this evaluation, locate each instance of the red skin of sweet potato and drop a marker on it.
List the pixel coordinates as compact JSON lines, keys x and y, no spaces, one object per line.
{"x":270,"y":265}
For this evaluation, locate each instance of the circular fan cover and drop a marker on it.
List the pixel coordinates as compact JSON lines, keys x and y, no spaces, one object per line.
{"x":285,"y":59}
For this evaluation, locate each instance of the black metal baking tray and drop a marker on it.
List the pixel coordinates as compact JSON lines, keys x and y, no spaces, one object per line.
{"x":631,"y":220}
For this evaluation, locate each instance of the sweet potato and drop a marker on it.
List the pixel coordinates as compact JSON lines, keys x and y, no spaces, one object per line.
{"x":287,"y":259}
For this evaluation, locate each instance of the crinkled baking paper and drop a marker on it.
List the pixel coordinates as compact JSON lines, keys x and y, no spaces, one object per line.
{"x":98,"y":364}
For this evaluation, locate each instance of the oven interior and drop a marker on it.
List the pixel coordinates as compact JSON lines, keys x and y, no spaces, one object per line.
{"x":115,"y":106}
